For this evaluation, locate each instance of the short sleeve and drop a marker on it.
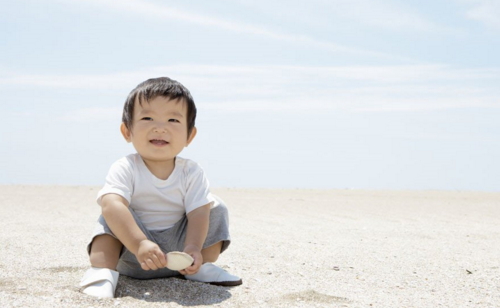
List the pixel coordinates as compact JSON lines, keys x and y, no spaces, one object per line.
{"x":197,"y":192}
{"x":118,"y":181}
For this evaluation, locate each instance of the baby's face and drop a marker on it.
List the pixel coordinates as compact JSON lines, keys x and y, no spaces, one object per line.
{"x":159,"y":129}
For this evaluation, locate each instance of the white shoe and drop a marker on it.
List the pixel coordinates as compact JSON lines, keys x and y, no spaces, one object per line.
{"x":99,"y":282}
{"x":215,"y":275}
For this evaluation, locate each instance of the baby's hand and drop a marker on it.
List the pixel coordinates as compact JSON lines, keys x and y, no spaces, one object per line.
{"x":150,"y":256}
{"x":194,"y":252}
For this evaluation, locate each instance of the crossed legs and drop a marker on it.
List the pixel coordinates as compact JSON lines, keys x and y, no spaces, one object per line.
{"x":105,"y":252}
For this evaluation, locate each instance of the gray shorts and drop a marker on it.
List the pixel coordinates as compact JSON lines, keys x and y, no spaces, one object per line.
{"x":171,"y":239}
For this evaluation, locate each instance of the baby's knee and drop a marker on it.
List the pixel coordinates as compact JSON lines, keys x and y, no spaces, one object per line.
{"x":211,"y":253}
{"x":220,"y":210}
{"x":105,"y":251}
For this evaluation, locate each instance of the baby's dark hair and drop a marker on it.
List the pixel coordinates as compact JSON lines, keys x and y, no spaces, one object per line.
{"x":154,"y":87}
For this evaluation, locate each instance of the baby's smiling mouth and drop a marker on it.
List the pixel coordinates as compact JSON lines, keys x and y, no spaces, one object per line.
{"x":158,"y":142}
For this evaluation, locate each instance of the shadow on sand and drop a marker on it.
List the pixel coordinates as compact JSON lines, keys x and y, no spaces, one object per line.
{"x":180,"y":291}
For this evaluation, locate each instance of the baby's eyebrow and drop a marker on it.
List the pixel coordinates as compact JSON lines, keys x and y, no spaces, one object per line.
{"x":175,"y":113}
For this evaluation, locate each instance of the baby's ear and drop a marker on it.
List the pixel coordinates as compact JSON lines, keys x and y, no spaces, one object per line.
{"x":191,"y":136}
{"x":125,"y":132}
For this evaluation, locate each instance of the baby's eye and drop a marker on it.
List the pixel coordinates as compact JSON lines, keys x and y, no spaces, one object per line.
{"x":147,"y":119}
{"x":174,"y":120}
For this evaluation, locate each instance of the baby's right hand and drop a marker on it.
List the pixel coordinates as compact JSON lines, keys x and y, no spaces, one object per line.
{"x":150,"y":256}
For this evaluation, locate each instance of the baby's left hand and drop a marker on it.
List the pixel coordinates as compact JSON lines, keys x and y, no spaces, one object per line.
{"x":194,"y":252}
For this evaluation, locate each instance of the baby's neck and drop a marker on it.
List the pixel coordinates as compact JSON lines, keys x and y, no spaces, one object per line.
{"x":160,"y":169}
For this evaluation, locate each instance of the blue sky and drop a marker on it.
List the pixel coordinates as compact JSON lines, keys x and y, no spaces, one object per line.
{"x":375,"y":94}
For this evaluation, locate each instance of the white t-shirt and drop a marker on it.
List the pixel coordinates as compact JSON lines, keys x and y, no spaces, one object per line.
{"x":159,"y":204}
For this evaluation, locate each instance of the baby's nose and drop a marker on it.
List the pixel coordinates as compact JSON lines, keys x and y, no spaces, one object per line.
{"x":160,"y":128}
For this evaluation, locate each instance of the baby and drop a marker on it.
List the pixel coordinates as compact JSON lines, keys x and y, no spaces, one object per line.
{"x":155,"y":202}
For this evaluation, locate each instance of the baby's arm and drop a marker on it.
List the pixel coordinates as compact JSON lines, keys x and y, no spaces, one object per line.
{"x":197,"y":229}
{"x":119,"y":219}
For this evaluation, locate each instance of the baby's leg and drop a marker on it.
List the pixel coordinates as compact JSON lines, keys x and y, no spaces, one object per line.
{"x":105,"y":251}
{"x":217,"y":241}
{"x":211,"y":253}
{"x":101,"y":279}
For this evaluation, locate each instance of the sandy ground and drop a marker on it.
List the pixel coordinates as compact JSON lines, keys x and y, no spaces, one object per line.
{"x":293,"y":248}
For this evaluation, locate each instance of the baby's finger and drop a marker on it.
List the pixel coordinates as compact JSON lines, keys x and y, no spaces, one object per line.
{"x":163,"y":259}
{"x":156,"y":258}
{"x":151,"y":264}
{"x":190,"y":270}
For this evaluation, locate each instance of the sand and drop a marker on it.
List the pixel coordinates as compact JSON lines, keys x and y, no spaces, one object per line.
{"x":293,"y":248}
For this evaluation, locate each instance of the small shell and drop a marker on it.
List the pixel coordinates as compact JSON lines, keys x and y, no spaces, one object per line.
{"x":177,"y":260}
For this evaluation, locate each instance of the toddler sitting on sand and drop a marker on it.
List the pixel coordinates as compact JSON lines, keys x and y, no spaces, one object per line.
{"x":154,"y":202}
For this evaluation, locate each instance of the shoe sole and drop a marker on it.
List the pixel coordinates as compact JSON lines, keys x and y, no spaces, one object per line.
{"x":226,"y":283}
{"x":215,"y":283}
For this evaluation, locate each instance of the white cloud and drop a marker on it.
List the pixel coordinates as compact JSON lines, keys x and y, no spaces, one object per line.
{"x":485,"y":11}
{"x":163,"y":12}
{"x":92,"y":114}
{"x":209,"y":75}
{"x":300,"y":88}
{"x":69,"y":81}
{"x":391,"y":15}
{"x":386,"y":14}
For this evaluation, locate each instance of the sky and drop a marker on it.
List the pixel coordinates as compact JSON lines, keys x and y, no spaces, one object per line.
{"x":320,"y":94}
